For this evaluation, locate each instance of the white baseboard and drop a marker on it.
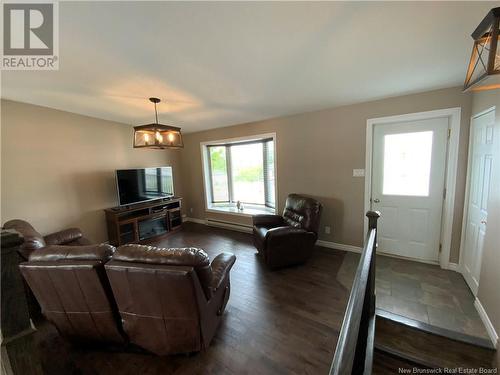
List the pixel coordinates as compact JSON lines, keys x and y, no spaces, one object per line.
{"x":328,"y":244}
{"x":228,"y":225}
{"x":453,"y":267}
{"x":221,"y":224}
{"x":357,"y":249}
{"x":339,"y":246}
{"x":487,"y":322}
{"x":247,"y":229}
{"x":194,"y":220}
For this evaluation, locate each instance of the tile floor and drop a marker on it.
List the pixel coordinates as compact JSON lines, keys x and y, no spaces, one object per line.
{"x":428,"y":294}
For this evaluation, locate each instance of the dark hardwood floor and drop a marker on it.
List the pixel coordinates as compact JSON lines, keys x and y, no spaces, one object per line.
{"x":385,"y":364}
{"x":281,"y":322}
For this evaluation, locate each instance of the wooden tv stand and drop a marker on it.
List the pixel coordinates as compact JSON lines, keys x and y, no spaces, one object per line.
{"x":141,"y":222}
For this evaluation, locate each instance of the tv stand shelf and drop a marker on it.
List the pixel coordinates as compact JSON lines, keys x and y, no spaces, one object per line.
{"x":141,"y":222}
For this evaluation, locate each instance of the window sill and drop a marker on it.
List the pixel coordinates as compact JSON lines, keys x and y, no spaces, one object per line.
{"x":247,"y":211}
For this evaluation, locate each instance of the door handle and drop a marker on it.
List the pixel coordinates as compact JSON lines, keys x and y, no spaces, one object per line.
{"x":376,"y":200}
{"x":483,"y":221}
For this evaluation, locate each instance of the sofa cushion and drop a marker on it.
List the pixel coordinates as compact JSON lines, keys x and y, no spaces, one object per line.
{"x":302,"y":212}
{"x":292,"y":218}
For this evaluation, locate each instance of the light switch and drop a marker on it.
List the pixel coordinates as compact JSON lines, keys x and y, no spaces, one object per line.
{"x":358,"y":173}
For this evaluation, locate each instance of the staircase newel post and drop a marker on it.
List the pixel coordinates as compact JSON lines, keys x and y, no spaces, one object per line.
{"x":373,"y":217}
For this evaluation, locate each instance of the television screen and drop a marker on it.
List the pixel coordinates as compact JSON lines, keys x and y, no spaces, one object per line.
{"x":137,"y":185}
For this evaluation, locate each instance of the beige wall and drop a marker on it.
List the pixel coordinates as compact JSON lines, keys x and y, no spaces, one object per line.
{"x":58,"y":167}
{"x":73,"y":158}
{"x":316,"y":153}
{"x":489,"y":280}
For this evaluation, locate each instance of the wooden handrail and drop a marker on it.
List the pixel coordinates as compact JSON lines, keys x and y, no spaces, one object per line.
{"x":354,"y":352}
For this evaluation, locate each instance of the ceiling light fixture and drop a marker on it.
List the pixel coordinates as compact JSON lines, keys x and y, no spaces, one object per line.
{"x":157,"y":136}
{"x":483,"y":72}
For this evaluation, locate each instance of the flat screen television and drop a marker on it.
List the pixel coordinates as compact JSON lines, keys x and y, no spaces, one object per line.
{"x":139,"y":185}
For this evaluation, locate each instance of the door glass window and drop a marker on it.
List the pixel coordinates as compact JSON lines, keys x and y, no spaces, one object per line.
{"x":407,"y":163}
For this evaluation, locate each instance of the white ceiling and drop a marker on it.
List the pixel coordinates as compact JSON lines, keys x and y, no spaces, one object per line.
{"x":218,"y":64}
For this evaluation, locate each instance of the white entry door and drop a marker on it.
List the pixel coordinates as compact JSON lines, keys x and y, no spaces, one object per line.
{"x":481,"y":166}
{"x":409,"y":163}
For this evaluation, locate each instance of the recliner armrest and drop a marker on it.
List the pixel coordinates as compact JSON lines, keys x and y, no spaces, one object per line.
{"x":267,"y":220}
{"x":221,"y":266}
{"x":64,"y":236}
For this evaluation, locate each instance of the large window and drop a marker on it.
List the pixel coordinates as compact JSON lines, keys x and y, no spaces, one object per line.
{"x":407,"y":164}
{"x":240,"y":171}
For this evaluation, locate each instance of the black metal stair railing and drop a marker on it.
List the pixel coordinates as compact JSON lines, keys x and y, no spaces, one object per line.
{"x":354,"y":352}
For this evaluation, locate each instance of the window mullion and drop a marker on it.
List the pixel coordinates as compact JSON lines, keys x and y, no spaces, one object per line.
{"x":264,"y":172}
{"x":229,"y":174}
{"x":211,"y":180}
{"x":158,"y":180}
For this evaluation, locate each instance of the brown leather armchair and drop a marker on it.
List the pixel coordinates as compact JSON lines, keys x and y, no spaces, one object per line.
{"x":170,"y":300}
{"x":35,"y":241}
{"x":71,"y":287}
{"x":289,"y":239}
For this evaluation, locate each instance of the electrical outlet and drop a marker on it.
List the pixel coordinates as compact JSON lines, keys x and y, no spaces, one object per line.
{"x":327,"y":230}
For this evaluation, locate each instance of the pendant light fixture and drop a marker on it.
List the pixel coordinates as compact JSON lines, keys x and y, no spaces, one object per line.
{"x":483,"y":72}
{"x":157,"y":136}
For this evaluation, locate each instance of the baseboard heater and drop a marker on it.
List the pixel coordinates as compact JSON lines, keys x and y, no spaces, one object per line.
{"x":228,"y":225}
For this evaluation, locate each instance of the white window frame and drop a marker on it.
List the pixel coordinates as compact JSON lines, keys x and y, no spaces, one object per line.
{"x":230,"y":208}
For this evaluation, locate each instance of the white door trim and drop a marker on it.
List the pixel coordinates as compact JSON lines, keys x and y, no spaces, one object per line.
{"x":454,"y":115}
{"x":467,"y":190}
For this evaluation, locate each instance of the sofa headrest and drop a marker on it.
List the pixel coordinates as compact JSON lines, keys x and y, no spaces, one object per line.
{"x":187,"y":256}
{"x":52,"y":253}
{"x":32,"y":239}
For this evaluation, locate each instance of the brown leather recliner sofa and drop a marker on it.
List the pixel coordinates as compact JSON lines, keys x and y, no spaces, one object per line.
{"x":71,"y":286}
{"x":170,"y":300}
{"x":288,"y":239}
{"x":35,"y":241}
{"x":165,"y":300}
